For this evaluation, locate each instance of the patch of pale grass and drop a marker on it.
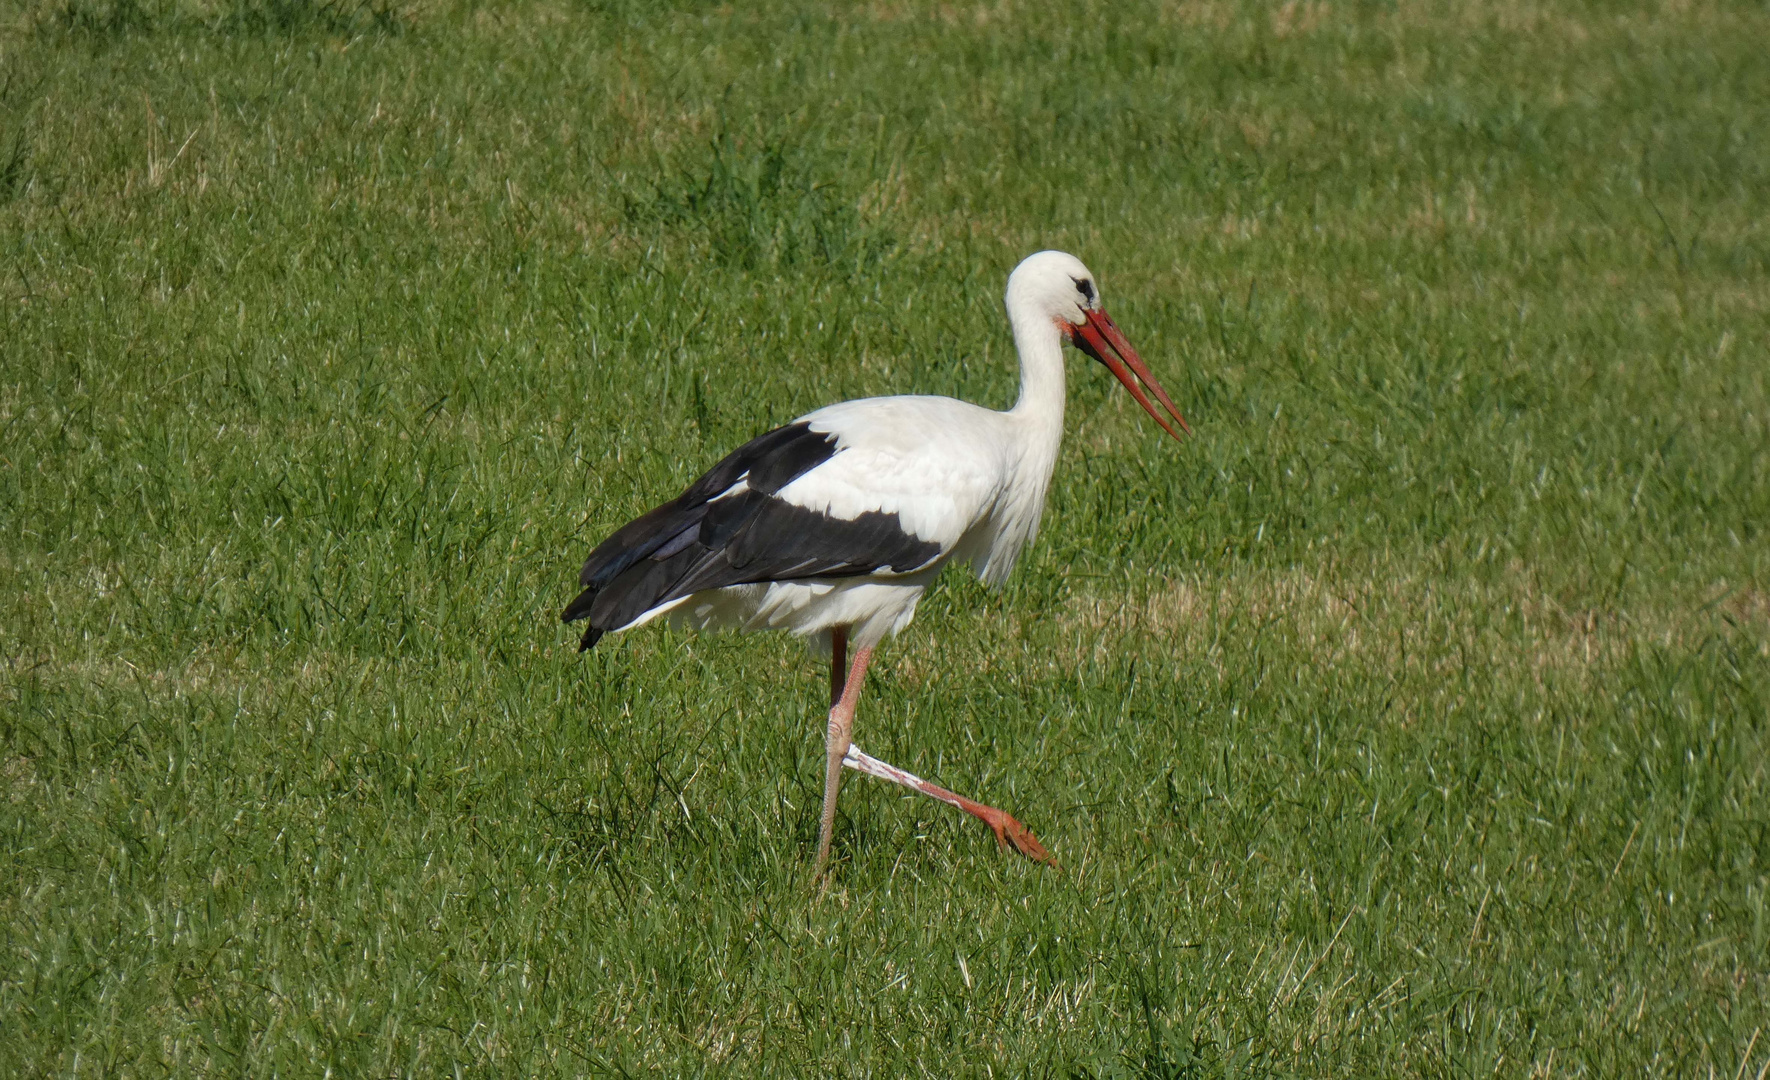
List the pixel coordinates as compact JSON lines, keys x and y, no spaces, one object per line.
{"x":1295,"y":18}
{"x":950,"y":15}
{"x":1408,"y":620}
{"x":1201,"y":14}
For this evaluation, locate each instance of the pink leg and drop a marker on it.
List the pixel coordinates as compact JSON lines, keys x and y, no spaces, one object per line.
{"x":841,"y":730}
{"x":1009,"y":832}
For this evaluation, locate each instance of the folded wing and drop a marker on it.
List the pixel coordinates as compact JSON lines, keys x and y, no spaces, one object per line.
{"x":799,"y":502}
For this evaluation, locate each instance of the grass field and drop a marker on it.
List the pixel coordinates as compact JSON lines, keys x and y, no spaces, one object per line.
{"x":1412,"y":719}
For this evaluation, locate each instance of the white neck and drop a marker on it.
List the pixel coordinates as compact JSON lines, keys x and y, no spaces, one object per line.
{"x":1037,"y":417}
{"x":1041,"y":372}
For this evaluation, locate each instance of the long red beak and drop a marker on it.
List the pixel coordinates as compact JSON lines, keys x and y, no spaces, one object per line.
{"x":1100,"y":338}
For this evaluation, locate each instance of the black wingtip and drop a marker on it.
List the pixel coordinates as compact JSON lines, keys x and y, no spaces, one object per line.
{"x":579,"y":608}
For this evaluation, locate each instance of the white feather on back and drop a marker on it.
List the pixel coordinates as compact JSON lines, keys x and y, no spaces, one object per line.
{"x":937,"y":463}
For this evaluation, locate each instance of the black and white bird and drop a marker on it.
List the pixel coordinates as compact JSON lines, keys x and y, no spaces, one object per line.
{"x":833,"y":526}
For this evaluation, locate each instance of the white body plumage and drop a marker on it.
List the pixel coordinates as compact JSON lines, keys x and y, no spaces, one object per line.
{"x":966,"y":478}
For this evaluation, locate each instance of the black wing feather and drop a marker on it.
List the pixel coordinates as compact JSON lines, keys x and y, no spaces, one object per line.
{"x":642,"y":536}
{"x":700,"y":541}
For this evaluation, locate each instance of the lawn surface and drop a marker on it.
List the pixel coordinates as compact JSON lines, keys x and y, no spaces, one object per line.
{"x":1411,"y":719}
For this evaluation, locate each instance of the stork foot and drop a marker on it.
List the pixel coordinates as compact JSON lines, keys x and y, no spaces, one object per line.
{"x":1010,"y":833}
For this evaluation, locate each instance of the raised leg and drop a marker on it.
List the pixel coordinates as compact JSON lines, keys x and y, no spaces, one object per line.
{"x":1009,"y":832}
{"x":841,"y":731}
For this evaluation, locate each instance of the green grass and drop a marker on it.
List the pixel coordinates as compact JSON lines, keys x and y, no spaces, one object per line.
{"x":1410,"y":720}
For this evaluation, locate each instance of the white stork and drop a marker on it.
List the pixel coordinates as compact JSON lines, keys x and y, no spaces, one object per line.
{"x":832,"y":526}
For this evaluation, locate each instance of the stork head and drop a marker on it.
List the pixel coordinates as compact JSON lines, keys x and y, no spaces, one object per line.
{"x":1055,"y":285}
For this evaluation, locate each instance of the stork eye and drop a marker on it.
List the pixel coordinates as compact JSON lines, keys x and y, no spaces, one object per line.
{"x":1086,"y":288}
